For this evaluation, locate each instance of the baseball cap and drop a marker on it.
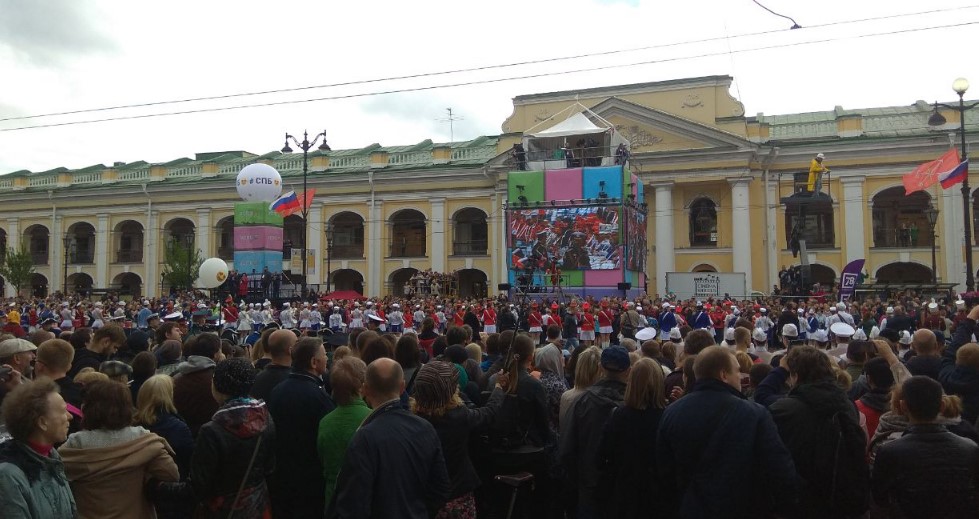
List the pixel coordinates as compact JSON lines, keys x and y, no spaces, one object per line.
{"x":841,"y":330}
{"x":759,"y":335}
{"x":11,"y":347}
{"x":615,"y":358}
{"x":790,"y":330}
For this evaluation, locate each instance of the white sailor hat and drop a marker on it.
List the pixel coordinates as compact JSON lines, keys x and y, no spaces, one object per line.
{"x":759,"y":335}
{"x":820,"y":336}
{"x":675,"y":334}
{"x":842,"y":330}
{"x":729,"y":335}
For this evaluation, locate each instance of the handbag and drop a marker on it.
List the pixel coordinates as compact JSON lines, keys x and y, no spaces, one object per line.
{"x":241,"y":487}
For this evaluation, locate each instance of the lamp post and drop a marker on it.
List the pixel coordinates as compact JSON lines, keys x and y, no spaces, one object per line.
{"x":932,"y":214}
{"x":305,"y":145}
{"x":69,"y":248}
{"x":329,"y":255}
{"x":960,"y":86}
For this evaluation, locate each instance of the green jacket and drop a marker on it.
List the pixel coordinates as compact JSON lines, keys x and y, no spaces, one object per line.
{"x":33,"y":487}
{"x":336,"y":429}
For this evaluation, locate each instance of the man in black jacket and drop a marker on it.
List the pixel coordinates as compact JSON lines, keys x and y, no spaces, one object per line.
{"x":279,"y":346}
{"x":718,"y":454}
{"x":928,"y":472}
{"x":582,"y":431}
{"x":394,"y":465}
{"x":297,"y":404}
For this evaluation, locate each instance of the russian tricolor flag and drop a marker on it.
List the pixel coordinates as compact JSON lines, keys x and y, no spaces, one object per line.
{"x":286,"y":204}
{"x":956,"y":175}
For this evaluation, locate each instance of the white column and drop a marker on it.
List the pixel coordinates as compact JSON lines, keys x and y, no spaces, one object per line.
{"x":665,"y":259}
{"x":771,"y":236}
{"x":56,"y":250}
{"x":315,"y":242}
{"x":952,"y":237}
{"x":151,"y":254}
{"x":437,"y":219}
{"x":205,"y":232}
{"x":494,"y":222}
{"x":853,"y":213}
{"x":102,"y":254}
{"x":376,"y":250}
{"x":13,"y":242}
{"x":741,"y":224}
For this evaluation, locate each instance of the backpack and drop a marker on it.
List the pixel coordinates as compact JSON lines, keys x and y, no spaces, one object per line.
{"x":841,"y":477}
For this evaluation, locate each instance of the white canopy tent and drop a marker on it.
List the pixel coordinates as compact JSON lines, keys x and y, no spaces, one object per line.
{"x":582,"y":138}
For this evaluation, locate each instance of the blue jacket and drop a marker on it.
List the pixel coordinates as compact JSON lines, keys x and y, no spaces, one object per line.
{"x":719,"y":454}
{"x":961,"y":380}
{"x":176,"y":432}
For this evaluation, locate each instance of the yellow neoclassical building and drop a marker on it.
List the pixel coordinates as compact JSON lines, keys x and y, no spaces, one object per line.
{"x":714,"y":182}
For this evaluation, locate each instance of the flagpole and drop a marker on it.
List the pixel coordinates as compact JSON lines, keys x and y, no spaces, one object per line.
{"x":305,"y":145}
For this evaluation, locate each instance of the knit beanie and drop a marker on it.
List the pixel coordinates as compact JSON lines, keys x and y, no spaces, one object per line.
{"x":234,"y":377}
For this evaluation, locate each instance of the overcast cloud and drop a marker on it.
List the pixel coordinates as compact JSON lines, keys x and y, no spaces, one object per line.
{"x":70,"y":55}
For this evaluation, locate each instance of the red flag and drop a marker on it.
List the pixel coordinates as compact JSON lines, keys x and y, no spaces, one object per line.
{"x":306,"y":199}
{"x":925,"y":175}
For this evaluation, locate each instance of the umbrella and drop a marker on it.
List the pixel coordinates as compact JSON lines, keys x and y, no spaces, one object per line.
{"x":646,"y":333}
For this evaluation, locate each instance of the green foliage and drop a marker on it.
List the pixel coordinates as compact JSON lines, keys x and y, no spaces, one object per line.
{"x":17,"y":267}
{"x":181,"y":264}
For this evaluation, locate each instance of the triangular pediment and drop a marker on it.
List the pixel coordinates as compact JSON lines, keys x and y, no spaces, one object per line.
{"x":652,"y":130}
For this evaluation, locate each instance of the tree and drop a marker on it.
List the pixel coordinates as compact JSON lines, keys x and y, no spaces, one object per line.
{"x":181,"y":264}
{"x":17,"y":267}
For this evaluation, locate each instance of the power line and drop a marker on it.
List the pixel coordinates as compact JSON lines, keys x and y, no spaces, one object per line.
{"x":482,"y":68}
{"x":490,"y":81}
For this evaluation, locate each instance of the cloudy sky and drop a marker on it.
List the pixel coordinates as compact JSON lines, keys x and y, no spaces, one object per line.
{"x":68,"y":55}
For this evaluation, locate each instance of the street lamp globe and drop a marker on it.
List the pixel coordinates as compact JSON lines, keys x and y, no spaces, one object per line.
{"x":960,"y":85}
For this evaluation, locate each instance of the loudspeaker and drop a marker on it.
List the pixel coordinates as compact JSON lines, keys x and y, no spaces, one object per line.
{"x":625,"y":286}
{"x":503,"y":287}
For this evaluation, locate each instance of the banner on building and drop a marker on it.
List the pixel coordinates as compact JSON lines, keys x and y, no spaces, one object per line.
{"x":850,"y":278}
{"x":296,"y":263}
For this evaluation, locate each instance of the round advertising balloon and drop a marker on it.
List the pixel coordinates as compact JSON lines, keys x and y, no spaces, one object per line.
{"x":258,"y":183}
{"x":212,"y":273}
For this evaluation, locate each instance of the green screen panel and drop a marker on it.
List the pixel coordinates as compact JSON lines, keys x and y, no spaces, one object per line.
{"x":533,"y":182}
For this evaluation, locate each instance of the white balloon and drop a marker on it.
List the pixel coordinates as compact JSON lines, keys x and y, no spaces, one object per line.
{"x":212,"y":273}
{"x":258,"y":183}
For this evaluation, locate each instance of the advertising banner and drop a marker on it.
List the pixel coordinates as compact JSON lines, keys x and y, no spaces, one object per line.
{"x":258,"y":237}
{"x":296,"y":264}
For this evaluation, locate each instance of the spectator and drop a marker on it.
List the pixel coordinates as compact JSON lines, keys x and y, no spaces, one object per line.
{"x":580,"y":434}
{"x":105,"y":341}
{"x":587,"y":371}
{"x":394,"y":465}
{"x":337,"y":427}
{"x":927,"y":360}
{"x":960,"y":366}
{"x":719,"y":455}
{"x":929,"y":471}
{"x":408,"y":354}
{"x":437,"y":400}
{"x":144,"y":367}
{"x":32,"y":476}
{"x":877,"y":400}
{"x":19,"y":355}
{"x":192,"y":385}
{"x":234,"y":453}
{"x":549,"y":362}
{"x":53,"y":361}
{"x":817,"y":418}
{"x":279,"y":348}
{"x":297,"y":405}
{"x":156,"y":412}
{"x":626,"y":455}
{"x":113,"y":458}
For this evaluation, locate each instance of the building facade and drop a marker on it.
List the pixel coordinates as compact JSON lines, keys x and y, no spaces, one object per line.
{"x":713,"y":177}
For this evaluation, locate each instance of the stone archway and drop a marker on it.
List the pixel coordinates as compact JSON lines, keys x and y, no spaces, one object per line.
{"x":79,"y":283}
{"x":347,"y":279}
{"x":398,"y":279}
{"x":903,"y":272}
{"x":472,"y":283}
{"x":128,"y":283}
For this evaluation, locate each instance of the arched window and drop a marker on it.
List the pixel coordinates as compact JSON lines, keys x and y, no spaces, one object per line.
{"x":226,"y":238}
{"x":470,"y":236}
{"x":292,"y":235}
{"x":347,"y":232}
{"x":899,"y":220}
{"x":408,"y":231}
{"x":36,"y":237}
{"x":128,"y":238}
{"x":703,"y":223}
{"x":80,"y":240}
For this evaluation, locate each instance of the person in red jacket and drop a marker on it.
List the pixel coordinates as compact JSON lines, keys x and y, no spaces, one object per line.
{"x":586,"y":327}
{"x":489,"y":319}
{"x":605,"y":316}
{"x":459,"y":318}
{"x":535,"y":323}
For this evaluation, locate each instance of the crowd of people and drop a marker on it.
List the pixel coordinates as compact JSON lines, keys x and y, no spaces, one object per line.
{"x":426,"y":406}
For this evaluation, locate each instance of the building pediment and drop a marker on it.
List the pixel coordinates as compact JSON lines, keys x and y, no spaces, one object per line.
{"x":652,"y":130}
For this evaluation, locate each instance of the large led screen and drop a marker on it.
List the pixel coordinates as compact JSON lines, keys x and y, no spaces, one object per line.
{"x":577,"y":238}
{"x":636,"y":246}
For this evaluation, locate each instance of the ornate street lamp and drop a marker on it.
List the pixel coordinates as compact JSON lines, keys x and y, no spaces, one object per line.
{"x":932,"y":214}
{"x":305,"y":145}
